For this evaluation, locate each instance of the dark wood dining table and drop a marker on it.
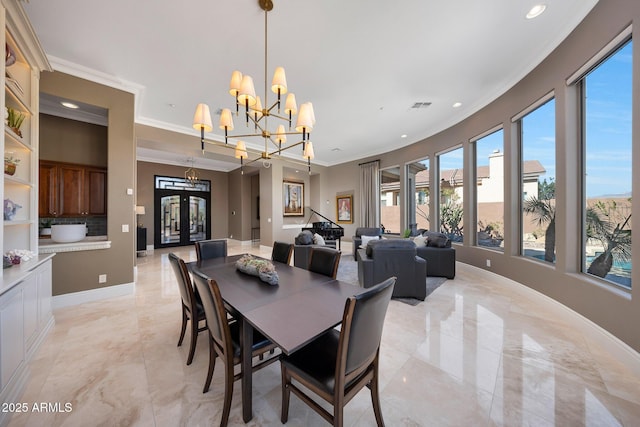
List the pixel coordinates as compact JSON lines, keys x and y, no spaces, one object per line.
{"x":302,"y":306}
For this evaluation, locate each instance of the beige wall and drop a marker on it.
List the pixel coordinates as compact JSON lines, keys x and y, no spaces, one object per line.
{"x":78,"y":271}
{"x":219,"y":220}
{"x":614,"y":309}
{"x":71,"y":141}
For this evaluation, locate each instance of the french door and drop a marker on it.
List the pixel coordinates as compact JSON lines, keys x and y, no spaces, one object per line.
{"x":181,"y":215}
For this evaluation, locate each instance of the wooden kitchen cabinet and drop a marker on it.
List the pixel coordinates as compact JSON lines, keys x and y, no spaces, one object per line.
{"x":47,"y":190}
{"x":70,"y":190}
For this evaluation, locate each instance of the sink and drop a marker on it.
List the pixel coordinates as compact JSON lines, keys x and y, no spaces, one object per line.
{"x":67,"y":233}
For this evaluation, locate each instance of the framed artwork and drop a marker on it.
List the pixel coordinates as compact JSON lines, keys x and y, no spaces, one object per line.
{"x":344,"y":207}
{"x":293,"y":198}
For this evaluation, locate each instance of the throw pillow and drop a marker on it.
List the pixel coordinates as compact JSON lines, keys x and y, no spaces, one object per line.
{"x":437,"y":240}
{"x":305,"y":238}
{"x":367,"y":239}
{"x":318,"y":240}
{"x":420,"y":241}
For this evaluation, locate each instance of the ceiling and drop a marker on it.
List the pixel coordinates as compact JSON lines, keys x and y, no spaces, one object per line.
{"x":362,"y":64}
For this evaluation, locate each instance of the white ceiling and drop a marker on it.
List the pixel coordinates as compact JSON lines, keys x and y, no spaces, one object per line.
{"x":362,"y":63}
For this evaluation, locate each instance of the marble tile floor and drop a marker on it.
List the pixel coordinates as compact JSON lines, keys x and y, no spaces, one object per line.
{"x":480,"y":351}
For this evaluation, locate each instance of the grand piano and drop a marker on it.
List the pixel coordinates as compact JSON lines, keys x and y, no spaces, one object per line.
{"x":329,"y":230}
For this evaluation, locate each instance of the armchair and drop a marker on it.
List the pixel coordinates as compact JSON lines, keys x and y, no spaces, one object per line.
{"x":394,"y":257}
{"x":364,"y":231}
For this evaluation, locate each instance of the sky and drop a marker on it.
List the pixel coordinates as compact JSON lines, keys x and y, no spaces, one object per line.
{"x":608,"y":131}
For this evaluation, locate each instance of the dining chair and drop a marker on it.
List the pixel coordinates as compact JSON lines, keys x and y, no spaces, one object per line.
{"x":324,"y":261}
{"x":206,"y":249}
{"x":224,"y":341}
{"x":191,"y":305}
{"x":338,"y":364}
{"x":282,"y":252}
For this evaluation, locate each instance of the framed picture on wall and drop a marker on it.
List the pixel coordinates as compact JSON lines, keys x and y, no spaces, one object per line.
{"x":293,"y":198}
{"x":344,"y":207}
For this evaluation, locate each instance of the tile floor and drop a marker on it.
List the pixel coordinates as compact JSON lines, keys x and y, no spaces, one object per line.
{"x":480,"y":351}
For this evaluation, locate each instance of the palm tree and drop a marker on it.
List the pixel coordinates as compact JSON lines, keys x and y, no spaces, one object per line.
{"x":616,"y":240}
{"x":544,"y":212}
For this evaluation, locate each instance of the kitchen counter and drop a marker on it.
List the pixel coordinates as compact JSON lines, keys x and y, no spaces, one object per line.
{"x":89,"y":243}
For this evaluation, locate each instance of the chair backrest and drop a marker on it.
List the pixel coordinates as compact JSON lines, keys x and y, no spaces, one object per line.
{"x":216,"y":315}
{"x":324,"y":261}
{"x":282,"y":252}
{"x":368,"y":231}
{"x":362,"y":324}
{"x":206,"y":249}
{"x":184,"y":281}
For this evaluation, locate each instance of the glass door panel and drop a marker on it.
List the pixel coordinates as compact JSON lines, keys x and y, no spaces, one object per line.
{"x":197,"y":218}
{"x":170,"y":219}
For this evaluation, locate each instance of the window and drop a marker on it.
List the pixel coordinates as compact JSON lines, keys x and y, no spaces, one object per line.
{"x":451,"y":177}
{"x":607,"y":145}
{"x":418,"y":194}
{"x":390,"y":199}
{"x":490,"y":190}
{"x":537,"y":175}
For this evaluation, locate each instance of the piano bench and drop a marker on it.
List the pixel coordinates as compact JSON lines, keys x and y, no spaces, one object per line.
{"x":331,"y":243}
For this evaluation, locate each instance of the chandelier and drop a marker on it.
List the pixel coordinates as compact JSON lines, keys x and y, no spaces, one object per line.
{"x":255,"y":116}
{"x":191,"y":174}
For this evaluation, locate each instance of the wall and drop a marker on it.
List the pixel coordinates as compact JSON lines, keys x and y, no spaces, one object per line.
{"x":145,"y":184}
{"x":78,"y":271}
{"x":71,"y":141}
{"x":614,"y":309}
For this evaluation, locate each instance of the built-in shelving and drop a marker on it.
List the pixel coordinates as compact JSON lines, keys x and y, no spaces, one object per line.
{"x":25,"y":288}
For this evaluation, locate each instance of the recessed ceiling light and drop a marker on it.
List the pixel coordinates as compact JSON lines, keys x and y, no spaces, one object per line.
{"x":457,"y":105}
{"x":403,"y":135}
{"x":69,"y":105}
{"x":536,"y":11}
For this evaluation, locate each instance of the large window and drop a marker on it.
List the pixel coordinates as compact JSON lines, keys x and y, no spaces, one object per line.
{"x":607,"y":145}
{"x":418,"y":194}
{"x":451,"y":191}
{"x":537,"y":175}
{"x":490,"y":190}
{"x":390,"y":199}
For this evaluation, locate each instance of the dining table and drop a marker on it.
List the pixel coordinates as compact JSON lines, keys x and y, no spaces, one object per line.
{"x":301,"y":307}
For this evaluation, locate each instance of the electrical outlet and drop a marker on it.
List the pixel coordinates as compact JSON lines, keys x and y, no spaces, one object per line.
{"x":488,"y":263}
{"x":102,"y":278}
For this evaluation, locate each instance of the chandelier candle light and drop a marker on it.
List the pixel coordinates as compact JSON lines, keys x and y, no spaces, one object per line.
{"x":242,"y":89}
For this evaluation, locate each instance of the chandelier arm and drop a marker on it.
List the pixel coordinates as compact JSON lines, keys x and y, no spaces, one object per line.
{"x":286,"y":119}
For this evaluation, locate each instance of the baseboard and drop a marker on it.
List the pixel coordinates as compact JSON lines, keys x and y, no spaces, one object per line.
{"x":603,"y":337}
{"x":75,"y":298}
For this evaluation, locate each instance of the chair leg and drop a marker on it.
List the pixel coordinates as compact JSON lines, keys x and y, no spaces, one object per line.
{"x":228,"y":394}
{"x":212,"y":365}
{"x":375,"y":399}
{"x":184,"y":326}
{"x":286,"y":394}
{"x":194,"y":339}
{"x":338,"y":418}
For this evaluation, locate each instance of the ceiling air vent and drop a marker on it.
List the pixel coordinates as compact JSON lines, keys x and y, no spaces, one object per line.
{"x":419,"y":105}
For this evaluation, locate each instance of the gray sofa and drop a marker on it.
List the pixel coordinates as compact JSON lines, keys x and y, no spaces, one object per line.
{"x":440,"y":256}
{"x":302,"y":249}
{"x":364,"y":231}
{"x":395,"y":257}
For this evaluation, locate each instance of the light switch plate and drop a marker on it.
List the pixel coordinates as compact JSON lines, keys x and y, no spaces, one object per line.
{"x":125,"y":228}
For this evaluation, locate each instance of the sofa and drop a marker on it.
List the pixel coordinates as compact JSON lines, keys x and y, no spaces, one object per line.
{"x":303,"y":243}
{"x":364,"y":231}
{"x":382,"y":259}
{"x":435,"y":248}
